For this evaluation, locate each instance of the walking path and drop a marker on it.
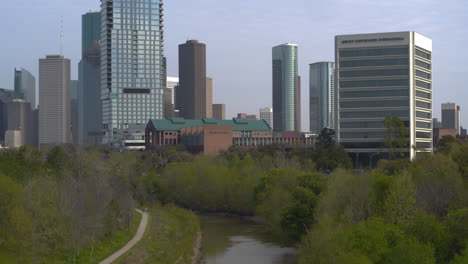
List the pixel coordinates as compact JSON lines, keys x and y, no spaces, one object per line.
{"x":138,"y":236}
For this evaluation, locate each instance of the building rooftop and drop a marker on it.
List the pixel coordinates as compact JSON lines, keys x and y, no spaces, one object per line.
{"x":238,"y":124}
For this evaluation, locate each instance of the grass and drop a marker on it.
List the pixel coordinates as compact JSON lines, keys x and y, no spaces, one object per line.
{"x":7,"y":257}
{"x":169,"y":237}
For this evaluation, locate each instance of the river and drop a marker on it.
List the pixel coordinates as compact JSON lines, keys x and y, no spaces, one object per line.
{"x":232,"y":240}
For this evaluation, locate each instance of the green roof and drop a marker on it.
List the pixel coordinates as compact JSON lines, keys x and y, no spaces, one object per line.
{"x":238,"y":124}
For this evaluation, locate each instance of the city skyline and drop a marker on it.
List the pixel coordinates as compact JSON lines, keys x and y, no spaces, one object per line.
{"x":260,"y":32}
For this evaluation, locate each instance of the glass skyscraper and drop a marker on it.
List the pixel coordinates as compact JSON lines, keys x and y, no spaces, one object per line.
{"x":25,"y":87}
{"x":286,"y":88}
{"x":322,"y":96}
{"x":383,"y":75}
{"x":89,"y":75}
{"x":132,"y":74}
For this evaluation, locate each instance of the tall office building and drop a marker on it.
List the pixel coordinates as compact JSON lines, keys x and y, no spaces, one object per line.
{"x":132,"y":66}
{"x":6,"y":96}
{"x":54,"y":101}
{"x":89,"y":76}
{"x":451,"y":116}
{"x":74,"y":110}
{"x":25,"y":86}
{"x":192,"y":93}
{"x":267,"y":115}
{"x":383,"y":75}
{"x":219,"y":111}
{"x":286,"y":88}
{"x":322,"y":96}
{"x":172,"y":83}
{"x":209,"y":97}
{"x":20,"y":119}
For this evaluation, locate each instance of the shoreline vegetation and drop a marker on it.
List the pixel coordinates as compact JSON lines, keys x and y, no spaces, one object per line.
{"x":56,"y":203}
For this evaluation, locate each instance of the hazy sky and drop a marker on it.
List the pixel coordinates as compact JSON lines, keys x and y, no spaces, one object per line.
{"x":239,"y":36}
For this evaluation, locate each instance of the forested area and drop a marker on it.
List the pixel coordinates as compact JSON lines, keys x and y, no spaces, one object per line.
{"x":399,"y":212}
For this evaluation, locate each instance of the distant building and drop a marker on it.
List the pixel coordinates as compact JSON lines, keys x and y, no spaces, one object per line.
{"x":25,"y":87}
{"x":463,"y":132}
{"x":20,"y":119}
{"x":210,"y":136}
{"x":441,"y":132}
{"x":90,"y":129}
{"x":242,"y":115}
{"x":13,"y":139}
{"x":451,"y":116}
{"x":54,"y":101}
{"x":383,"y":75}
{"x":267,"y":114}
{"x":169,"y":96}
{"x":74,"y":111}
{"x":286,"y":88}
{"x":193,"y":93}
{"x":436,"y":123}
{"x":219,"y":111}
{"x":209,"y":97}
{"x":6,"y":96}
{"x":247,"y":116}
{"x":322,"y":96}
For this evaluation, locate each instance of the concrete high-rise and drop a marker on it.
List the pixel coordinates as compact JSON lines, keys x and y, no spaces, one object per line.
{"x":209,"y":97}
{"x":193,"y":93}
{"x":89,"y":77}
{"x":322,"y":96}
{"x":54,"y":101}
{"x":25,"y":87}
{"x":267,"y":115}
{"x":132,"y":66}
{"x":219,"y":111}
{"x":383,"y":75}
{"x":286,"y":88}
{"x":20,"y":119}
{"x":451,"y":117}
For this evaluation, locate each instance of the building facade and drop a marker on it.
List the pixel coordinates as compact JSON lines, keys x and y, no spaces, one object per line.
{"x":6,"y":96}
{"x":54,"y":101}
{"x":192,"y":92}
{"x":267,"y":114}
{"x":89,"y":76}
{"x":322,"y":96}
{"x":209,"y":97}
{"x":451,"y":117}
{"x":20,"y":119}
{"x":25,"y":87}
{"x":132,"y":70}
{"x":286,"y":88}
{"x":219,"y":111}
{"x":74,"y":110}
{"x":383,"y":75}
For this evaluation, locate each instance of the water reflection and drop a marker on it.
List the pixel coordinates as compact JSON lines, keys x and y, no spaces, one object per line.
{"x":229,"y":240}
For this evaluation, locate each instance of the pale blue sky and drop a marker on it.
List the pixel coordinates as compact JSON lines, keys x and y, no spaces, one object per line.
{"x":239,"y":36}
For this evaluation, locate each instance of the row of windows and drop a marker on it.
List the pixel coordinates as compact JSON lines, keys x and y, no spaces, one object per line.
{"x":374,"y":83}
{"x":363,"y":124}
{"x":376,"y":114}
{"x":423,"y":95}
{"x":366,"y":145}
{"x":423,"y":74}
{"x":423,"y":125}
{"x":374,"y":93}
{"x":374,"y":52}
{"x":373,"y":104}
{"x":423,"y":145}
{"x":423,"y":135}
{"x":423,"y":105}
{"x":423,"y":64}
{"x":423,"y":115}
{"x":140,"y":27}
{"x":374,"y":62}
{"x":373,"y":73}
{"x":423,"y":54}
{"x":423,"y":84}
{"x":363,"y":135}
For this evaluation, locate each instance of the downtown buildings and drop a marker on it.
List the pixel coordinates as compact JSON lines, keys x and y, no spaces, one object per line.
{"x":451,"y":117}
{"x":132,"y":67}
{"x":25,"y":87}
{"x":286,"y":88}
{"x":267,"y":115}
{"x":383,"y":75}
{"x":54,"y":101}
{"x":322,"y":96}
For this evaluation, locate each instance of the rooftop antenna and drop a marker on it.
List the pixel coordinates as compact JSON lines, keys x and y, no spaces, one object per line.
{"x":61,"y":35}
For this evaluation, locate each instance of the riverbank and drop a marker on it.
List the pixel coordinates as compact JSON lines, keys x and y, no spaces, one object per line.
{"x":170,"y":237}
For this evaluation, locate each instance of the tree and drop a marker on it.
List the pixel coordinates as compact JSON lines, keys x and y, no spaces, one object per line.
{"x":326,"y":138}
{"x":397,"y":138}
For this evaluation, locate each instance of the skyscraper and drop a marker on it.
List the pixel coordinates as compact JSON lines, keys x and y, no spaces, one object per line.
{"x":322,"y":96}
{"x":132,"y":66}
{"x":54,"y":101}
{"x":267,"y":114}
{"x":383,"y":75}
{"x":74,"y":113}
{"x":20,"y":119}
{"x":6,"y":96}
{"x":451,"y":116}
{"x":219,"y":111}
{"x":25,"y":86}
{"x":286,"y":88}
{"x":89,"y":76}
{"x":192,"y":92}
{"x":209,"y":97}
